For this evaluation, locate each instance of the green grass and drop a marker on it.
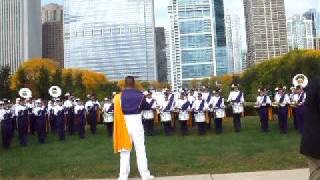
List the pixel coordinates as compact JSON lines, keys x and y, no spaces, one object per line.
{"x":93,"y":157}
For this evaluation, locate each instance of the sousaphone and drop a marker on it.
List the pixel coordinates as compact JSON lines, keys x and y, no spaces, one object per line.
{"x":300,"y":80}
{"x":55,"y":91}
{"x":25,"y":93}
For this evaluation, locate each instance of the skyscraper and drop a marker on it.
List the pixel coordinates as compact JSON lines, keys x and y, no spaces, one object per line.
{"x":114,"y":37}
{"x":314,"y":16}
{"x":52,"y":33}
{"x":234,"y":43}
{"x":220,"y":39}
{"x":20,"y":31}
{"x":162,"y":66}
{"x":198,"y":44}
{"x":300,"y":33}
{"x":266,"y":29}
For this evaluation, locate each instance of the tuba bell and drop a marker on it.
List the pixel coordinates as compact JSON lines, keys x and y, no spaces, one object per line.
{"x":55,"y":91}
{"x":300,"y":80}
{"x":25,"y":93}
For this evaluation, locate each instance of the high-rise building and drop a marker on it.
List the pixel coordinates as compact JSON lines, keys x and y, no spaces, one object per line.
{"x":20,"y":31}
{"x":168,"y":55}
{"x":114,"y":37}
{"x":52,"y":32}
{"x":234,"y":43}
{"x":220,"y":38}
{"x":162,"y":66}
{"x":244,"y":63}
{"x":314,"y":16}
{"x":300,"y":33}
{"x":266,"y":29}
{"x":197,"y":38}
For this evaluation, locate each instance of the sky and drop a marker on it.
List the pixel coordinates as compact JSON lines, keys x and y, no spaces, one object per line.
{"x":234,"y":6}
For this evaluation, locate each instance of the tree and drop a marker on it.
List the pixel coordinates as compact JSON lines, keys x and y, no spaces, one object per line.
{"x":78,"y":86}
{"x":5,"y":82}
{"x":67,"y":82}
{"x":43,"y":83}
{"x":57,"y":78}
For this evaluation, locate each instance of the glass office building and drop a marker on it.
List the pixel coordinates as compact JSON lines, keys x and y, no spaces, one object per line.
{"x":198,"y":45}
{"x":114,"y":37}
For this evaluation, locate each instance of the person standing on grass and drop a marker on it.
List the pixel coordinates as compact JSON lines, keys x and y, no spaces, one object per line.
{"x":282,"y":100}
{"x":263,"y":103}
{"x":310,"y":144}
{"x":128,"y":129}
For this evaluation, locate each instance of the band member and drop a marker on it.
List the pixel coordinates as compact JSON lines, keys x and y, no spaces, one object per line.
{"x":21,"y":116}
{"x":92,"y":106}
{"x":182,"y":105}
{"x":207,"y":96}
{"x":263,"y":103}
{"x":69,"y":114}
{"x":294,"y":97}
{"x":6,"y":124}
{"x":282,"y":100}
{"x":31,"y":117}
{"x":199,"y":108}
{"x":51,"y":116}
{"x":148,"y":114}
{"x":39,"y":112}
{"x":60,"y":120}
{"x":166,"y":107}
{"x":236,"y":98}
{"x":129,"y":130}
{"x":300,"y":108}
{"x":108,"y":110}
{"x":80,"y":118}
{"x":219,"y":110}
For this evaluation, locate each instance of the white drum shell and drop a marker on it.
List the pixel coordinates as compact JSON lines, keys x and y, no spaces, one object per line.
{"x":147,"y":114}
{"x":220,"y":113}
{"x":200,"y":117}
{"x":108,"y":117}
{"x":183,"y":116}
{"x":237,"y":108}
{"x":165,"y":116}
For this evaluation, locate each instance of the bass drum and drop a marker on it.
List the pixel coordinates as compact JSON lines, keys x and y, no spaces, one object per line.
{"x":108,"y":117}
{"x":166,"y":117}
{"x":220,"y":113}
{"x":147,"y":114}
{"x":237,"y":108}
{"x":200,"y":117}
{"x":183,"y":116}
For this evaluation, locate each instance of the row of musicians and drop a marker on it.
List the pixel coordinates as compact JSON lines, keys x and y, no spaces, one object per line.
{"x":38,"y":118}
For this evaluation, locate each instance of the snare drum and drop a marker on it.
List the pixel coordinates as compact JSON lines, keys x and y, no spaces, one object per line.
{"x":165,"y":116}
{"x":237,"y":108}
{"x":147,"y":114}
{"x":183,"y":116}
{"x":108,"y":117}
{"x":220,"y":113}
{"x":200,"y":117}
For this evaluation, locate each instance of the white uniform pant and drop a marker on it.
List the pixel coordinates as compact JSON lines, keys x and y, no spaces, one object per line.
{"x":136,"y":132}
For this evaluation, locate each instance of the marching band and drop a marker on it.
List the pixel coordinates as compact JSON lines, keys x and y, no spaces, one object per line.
{"x":188,"y":107}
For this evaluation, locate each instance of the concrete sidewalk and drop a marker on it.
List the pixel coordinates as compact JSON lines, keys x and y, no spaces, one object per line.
{"x":296,"y":174}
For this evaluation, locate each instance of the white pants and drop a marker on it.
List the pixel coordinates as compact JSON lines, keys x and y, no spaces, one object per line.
{"x":136,"y":132}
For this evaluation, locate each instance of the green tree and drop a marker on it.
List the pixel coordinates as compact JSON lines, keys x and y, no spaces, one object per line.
{"x":57,"y":78}
{"x":79,"y":89}
{"x":67,"y":82}
{"x":5,"y":82}
{"x":43,"y":83}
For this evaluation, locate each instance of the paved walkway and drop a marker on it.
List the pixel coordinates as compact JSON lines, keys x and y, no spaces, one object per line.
{"x":296,"y":174}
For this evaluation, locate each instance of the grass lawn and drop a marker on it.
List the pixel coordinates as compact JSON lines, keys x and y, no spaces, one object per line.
{"x":93,"y":157}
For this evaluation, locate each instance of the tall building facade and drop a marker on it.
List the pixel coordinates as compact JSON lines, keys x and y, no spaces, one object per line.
{"x":300,"y":33}
{"x":314,"y":16}
{"x":114,"y":37}
{"x":162,"y":66}
{"x":198,"y":44}
{"x":266,"y":29}
{"x":52,"y":32}
{"x":220,"y":38}
{"x":20,"y":31}
{"x":234,"y":43}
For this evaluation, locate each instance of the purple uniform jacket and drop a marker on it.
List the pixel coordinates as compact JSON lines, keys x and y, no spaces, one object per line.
{"x":132,"y":101}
